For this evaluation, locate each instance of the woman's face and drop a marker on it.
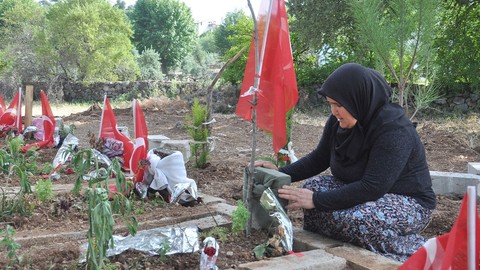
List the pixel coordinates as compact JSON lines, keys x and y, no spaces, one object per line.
{"x":345,"y":119}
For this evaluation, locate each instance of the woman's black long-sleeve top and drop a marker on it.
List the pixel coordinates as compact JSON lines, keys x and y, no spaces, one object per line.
{"x":395,"y":163}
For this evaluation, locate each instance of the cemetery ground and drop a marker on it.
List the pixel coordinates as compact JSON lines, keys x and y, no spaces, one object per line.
{"x":450,"y":144}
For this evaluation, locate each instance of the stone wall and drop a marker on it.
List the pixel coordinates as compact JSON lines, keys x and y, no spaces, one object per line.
{"x":463,"y":103}
{"x":79,"y":92}
{"x":224,"y":100}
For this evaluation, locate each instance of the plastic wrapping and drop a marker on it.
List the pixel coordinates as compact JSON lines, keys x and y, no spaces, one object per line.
{"x":270,"y":203}
{"x":178,"y":240}
{"x":209,"y":255}
{"x":62,"y":156}
{"x":142,"y":190}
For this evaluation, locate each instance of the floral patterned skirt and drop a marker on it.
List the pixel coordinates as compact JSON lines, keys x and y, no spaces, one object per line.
{"x":389,"y":226}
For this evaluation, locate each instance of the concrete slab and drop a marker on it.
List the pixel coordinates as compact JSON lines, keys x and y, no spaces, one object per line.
{"x":208,"y":199}
{"x":311,"y":260}
{"x":454,"y":183}
{"x":155,"y":140}
{"x":224,"y":209}
{"x":177,"y":145}
{"x":305,"y":240}
{"x":362,"y":259}
{"x":473,"y":168}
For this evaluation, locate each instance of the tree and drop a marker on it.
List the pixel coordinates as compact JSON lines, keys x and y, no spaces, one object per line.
{"x":199,"y":63}
{"x":88,"y":40}
{"x":149,"y":64}
{"x":458,"y":45}
{"x":167,"y":26}
{"x":20,"y":21}
{"x":321,"y":22}
{"x":231,"y":36}
{"x":399,"y":32}
{"x":121,"y":4}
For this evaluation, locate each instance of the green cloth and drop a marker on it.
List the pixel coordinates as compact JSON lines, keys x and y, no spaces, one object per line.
{"x":265,"y":178}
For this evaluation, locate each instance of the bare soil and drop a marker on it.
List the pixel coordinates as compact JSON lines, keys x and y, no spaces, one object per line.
{"x":450,"y":145}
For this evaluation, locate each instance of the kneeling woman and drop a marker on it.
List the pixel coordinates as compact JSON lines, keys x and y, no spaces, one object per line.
{"x":379,"y":195}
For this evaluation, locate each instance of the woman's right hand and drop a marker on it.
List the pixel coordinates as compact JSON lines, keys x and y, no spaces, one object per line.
{"x":265,"y":164}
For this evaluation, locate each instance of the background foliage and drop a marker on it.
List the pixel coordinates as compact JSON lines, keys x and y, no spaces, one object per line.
{"x":99,"y":40}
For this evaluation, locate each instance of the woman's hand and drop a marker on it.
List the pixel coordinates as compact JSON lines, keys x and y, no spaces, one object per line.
{"x":265,"y":164}
{"x":298,"y":198}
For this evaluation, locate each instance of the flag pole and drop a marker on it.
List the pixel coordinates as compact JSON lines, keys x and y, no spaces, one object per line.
{"x":19,"y":112}
{"x":248,"y":186}
{"x":471,"y":226}
{"x":256,"y":82}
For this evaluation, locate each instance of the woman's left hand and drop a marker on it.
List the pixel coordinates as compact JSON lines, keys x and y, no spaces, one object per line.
{"x":298,"y":198}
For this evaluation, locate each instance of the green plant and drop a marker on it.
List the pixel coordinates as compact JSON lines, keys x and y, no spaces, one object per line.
{"x":199,"y":133}
{"x":424,"y":96}
{"x":100,"y":231}
{"x":158,"y":201}
{"x":43,"y":190}
{"x":103,"y":205}
{"x":65,"y":130}
{"x":240,"y":217}
{"x":260,"y":251}
{"x":10,"y":245}
{"x":45,"y":168}
{"x":164,"y":249}
{"x":81,"y":162}
{"x":220,"y":233}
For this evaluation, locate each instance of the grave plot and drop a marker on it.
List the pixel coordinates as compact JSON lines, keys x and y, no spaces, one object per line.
{"x":65,"y":215}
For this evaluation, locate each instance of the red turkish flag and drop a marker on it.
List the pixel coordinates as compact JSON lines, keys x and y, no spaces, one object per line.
{"x":277,"y":81}
{"x":450,"y":250}
{"x":48,"y":120}
{"x":3,"y":107}
{"x":12,"y":116}
{"x":141,"y":142}
{"x":108,"y":129}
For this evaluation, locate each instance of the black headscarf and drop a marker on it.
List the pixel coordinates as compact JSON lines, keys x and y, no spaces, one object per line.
{"x":365,"y":95}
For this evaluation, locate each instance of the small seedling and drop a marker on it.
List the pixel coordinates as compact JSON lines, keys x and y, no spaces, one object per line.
{"x":43,"y":190}
{"x":9,"y":245}
{"x":164,"y":249}
{"x":240,"y":217}
{"x":220,"y":233}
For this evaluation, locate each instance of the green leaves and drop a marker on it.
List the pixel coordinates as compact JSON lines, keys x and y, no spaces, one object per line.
{"x":43,"y":190}
{"x":89,"y":40}
{"x":166,"y":26}
{"x":231,"y":36}
{"x":458,"y":45}
{"x":199,"y":133}
{"x":399,"y":33}
{"x":240,"y":217}
{"x":10,"y":245}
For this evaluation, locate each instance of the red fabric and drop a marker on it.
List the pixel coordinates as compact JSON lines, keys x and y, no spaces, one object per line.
{"x":3,"y":107}
{"x":141,"y":130}
{"x":278,"y":83}
{"x":108,"y":129}
{"x":49,"y":123}
{"x":141,"y":142}
{"x":448,"y":251}
{"x":12,"y":117}
{"x":139,"y":154}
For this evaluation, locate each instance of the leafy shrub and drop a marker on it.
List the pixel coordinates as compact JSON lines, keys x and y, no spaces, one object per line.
{"x":199,"y":133}
{"x":240,"y":217}
{"x":10,"y":245}
{"x":43,"y":190}
{"x":218,"y":232}
{"x":150,"y":65}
